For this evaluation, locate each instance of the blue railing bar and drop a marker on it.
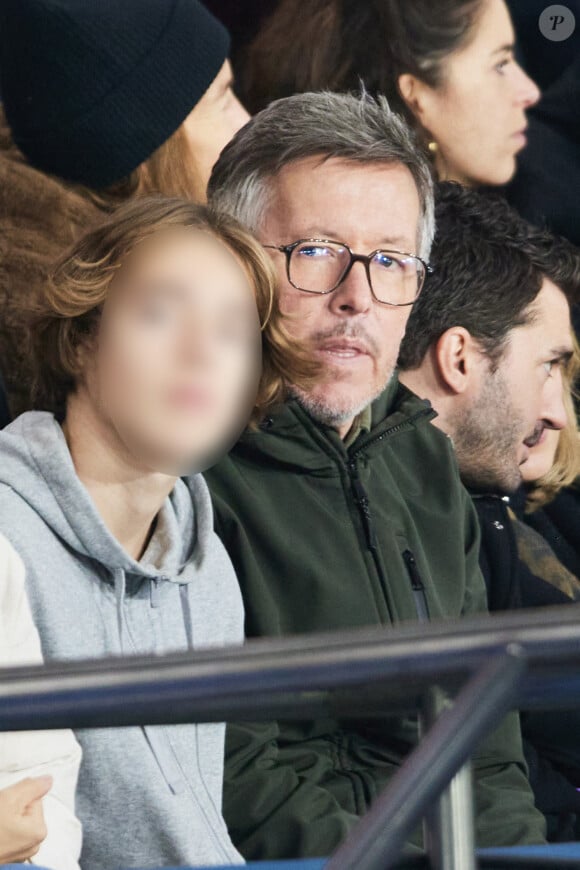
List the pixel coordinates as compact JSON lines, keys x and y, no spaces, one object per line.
{"x":369,"y":670}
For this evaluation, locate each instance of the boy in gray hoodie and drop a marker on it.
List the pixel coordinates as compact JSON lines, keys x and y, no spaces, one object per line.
{"x":148,"y":357}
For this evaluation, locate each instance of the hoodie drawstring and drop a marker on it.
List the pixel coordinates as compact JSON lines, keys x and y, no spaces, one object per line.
{"x":165,"y":757}
{"x":157,"y":740}
{"x":120,"y":583}
{"x":187,"y":617}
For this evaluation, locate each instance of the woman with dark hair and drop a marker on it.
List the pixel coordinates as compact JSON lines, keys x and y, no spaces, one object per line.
{"x":447,"y":65}
{"x":116,"y":100}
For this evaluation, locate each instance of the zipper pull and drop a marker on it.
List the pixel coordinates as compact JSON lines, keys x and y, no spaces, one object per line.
{"x":417,"y":586}
{"x":362,"y":500}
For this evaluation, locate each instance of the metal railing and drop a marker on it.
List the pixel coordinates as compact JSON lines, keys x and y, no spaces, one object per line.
{"x":487,"y":664}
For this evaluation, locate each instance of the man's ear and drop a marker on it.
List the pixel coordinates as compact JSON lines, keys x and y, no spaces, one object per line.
{"x":456,"y":355}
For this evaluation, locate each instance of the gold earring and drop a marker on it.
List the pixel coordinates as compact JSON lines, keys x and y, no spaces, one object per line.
{"x":433,"y":147}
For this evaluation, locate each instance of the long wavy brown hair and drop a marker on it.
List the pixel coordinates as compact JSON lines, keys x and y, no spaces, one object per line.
{"x":41,"y":215}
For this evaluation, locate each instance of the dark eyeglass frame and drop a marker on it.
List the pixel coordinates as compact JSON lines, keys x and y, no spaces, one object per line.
{"x":366,"y":259}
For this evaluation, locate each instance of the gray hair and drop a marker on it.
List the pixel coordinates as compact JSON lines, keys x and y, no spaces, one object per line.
{"x":348,"y":126}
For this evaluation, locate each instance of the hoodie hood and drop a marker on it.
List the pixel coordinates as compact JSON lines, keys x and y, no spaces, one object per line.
{"x":36,"y":463}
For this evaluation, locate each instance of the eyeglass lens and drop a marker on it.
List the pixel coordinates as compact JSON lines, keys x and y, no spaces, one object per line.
{"x":318,"y":267}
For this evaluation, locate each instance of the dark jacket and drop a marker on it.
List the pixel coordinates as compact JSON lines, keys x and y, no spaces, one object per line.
{"x":521,"y":570}
{"x":325,"y":537}
{"x":518,"y":565}
{"x":559,"y":523}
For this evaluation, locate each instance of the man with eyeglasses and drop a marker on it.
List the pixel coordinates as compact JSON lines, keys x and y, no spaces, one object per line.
{"x":345,"y":509}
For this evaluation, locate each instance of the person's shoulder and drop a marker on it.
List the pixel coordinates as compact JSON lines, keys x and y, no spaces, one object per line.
{"x":18,"y":641}
{"x":11,"y":573}
{"x":15,"y":513}
{"x":420,"y":456}
{"x":24,"y":528}
{"x":13,"y":506}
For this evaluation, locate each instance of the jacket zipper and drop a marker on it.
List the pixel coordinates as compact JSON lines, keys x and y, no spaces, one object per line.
{"x":362,"y":500}
{"x":417,"y":586}
{"x":392,"y":430}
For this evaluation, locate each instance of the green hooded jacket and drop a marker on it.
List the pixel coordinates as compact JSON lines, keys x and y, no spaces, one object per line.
{"x":324,"y":536}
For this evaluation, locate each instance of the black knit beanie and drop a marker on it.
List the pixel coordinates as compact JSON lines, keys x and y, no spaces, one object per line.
{"x":91,"y":88}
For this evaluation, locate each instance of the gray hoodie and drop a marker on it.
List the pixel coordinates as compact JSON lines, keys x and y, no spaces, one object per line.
{"x":148,"y":796}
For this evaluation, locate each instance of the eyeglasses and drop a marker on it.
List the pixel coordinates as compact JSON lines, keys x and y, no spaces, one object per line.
{"x":321,"y":265}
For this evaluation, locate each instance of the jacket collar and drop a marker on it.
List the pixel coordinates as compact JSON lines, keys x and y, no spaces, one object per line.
{"x":290,"y":436}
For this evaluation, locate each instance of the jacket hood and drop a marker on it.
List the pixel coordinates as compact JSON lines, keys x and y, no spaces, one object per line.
{"x":290,"y":438}
{"x":37,"y":464}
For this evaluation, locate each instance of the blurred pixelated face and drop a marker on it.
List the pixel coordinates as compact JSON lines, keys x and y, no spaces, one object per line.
{"x":211,"y":124}
{"x":354,"y":338}
{"x":516,"y":406}
{"x":178,"y":353}
{"x":477,"y":115}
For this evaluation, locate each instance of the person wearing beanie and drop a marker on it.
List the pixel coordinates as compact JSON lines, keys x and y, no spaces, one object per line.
{"x":101,"y":102}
